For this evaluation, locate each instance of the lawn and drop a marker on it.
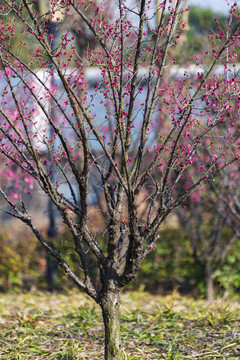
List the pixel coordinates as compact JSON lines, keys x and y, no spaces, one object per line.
{"x":68,"y":326}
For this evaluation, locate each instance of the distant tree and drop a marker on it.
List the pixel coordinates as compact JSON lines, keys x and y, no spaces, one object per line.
{"x":211,"y":220}
{"x":107,"y":133}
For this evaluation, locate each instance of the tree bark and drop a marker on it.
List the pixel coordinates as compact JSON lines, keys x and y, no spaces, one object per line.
{"x":110,"y":312}
{"x":209,"y":286}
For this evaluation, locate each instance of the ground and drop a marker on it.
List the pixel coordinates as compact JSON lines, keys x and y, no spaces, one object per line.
{"x":68,"y":326}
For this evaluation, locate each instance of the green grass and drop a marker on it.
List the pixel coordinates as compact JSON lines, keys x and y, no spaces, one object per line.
{"x":66,"y":327}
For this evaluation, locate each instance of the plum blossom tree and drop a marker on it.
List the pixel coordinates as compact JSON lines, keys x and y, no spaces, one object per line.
{"x":211,"y":220}
{"x":108,"y":132}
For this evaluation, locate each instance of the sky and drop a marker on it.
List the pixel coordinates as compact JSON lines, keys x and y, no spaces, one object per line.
{"x":216,"y":5}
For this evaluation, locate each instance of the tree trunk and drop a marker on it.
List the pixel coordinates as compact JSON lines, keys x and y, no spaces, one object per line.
{"x":209,"y":286}
{"x":110,"y":312}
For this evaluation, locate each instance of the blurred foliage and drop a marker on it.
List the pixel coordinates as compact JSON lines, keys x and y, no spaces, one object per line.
{"x":16,"y":43}
{"x":228,"y":277}
{"x":170,"y":266}
{"x":20,"y":262}
{"x":201,"y":21}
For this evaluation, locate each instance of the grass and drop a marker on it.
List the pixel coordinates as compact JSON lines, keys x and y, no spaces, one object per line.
{"x":66,"y":327}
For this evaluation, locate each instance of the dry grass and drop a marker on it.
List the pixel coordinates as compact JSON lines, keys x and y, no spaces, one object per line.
{"x":63,"y":327}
